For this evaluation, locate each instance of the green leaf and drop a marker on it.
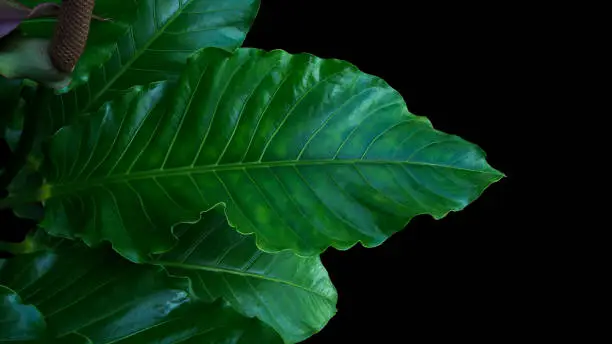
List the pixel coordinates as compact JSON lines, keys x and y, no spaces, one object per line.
{"x":305,"y":152}
{"x":72,"y":338}
{"x":28,"y":180}
{"x":18,"y":321}
{"x":293,"y":295}
{"x":80,"y":289}
{"x":10,"y":91}
{"x":9,"y":98}
{"x":153,"y":45}
{"x":202,"y":323}
{"x":96,"y":294}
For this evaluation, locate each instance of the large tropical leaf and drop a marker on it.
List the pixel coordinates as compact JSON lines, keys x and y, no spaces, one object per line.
{"x":18,"y":321}
{"x":294,"y":295}
{"x":147,"y":40}
{"x":305,"y":152}
{"x":96,"y":294}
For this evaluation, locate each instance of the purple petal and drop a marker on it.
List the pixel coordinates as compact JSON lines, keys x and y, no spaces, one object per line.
{"x":11,"y":10}
{"x":7,"y":26}
{"x":46,"y":9}
{"x":13,"y":13}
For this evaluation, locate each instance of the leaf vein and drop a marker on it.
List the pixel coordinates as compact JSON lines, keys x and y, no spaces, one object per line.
{"x":294,"y":106}
{"x":361,"y":123}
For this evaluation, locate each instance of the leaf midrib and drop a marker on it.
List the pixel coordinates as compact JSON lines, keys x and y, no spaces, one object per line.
{"x":58,"y":189}
{"x":239,"y":273}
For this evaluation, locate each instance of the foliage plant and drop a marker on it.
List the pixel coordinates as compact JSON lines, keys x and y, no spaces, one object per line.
{"x":184,"y":187}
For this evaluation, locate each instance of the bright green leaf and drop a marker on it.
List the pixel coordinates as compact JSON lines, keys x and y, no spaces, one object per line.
{"x":292,"y":294}
{"x":153,"y":45}
{"x":96,"y":294}
{"x":18,"y":320}
{"x":305,"y":152}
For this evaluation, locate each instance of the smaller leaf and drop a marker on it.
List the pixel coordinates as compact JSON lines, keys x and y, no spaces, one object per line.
{"x":28,"y":181}
{"x":26,"y":246}
{"x":201,"y":323}
{"x":18,"y":321}
{"x":104,"y":299}
{"x":294,"y":295}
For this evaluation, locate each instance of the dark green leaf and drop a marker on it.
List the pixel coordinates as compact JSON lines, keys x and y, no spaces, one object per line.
{"x":9,"y":98}
{"x":305,"y":152}
{"x":18,"y":320}
{"x":28,"y":180}
{"x":84,"y":290}
{"x":96,"y":294}
{"x":201,"y":323}
{"x":153,"y":44}
{"x":292,"y":294}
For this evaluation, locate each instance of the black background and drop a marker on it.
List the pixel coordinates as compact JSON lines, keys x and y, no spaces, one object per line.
{"x":461,"y":277}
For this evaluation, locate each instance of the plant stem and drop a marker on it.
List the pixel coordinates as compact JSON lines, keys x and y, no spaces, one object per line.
{"x":26,"y":140}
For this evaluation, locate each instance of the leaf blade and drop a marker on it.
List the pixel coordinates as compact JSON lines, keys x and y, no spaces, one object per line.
{"x":293,"y":295}
{"x":19,"y":321}
{"x":306,"y":153}
{"x":95,"y":295}
{"x":140,"y":46}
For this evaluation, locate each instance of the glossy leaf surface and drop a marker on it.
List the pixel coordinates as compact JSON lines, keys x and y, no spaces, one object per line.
{"x":305,"y":152}
{"x":146,"y":42}
{"x":18,"y":321}
{"x":293,"y":295}
{"x":96,"y":294}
